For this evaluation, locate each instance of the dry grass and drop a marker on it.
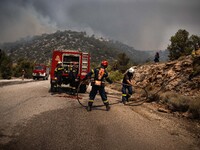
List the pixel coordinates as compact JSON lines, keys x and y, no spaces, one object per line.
{"x":194,"y":107}
{"x":180,"y":103}
{"x":175,"y":102}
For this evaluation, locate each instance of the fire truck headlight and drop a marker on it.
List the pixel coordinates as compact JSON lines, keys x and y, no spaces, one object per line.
{"x":42,"y":74}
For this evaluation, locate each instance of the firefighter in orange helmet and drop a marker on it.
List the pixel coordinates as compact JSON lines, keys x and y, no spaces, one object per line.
{"x":98,"y":77}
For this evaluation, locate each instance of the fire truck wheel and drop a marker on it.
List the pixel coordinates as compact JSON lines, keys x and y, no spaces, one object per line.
{"x":53,"y":88}
{"x":82,"y":88}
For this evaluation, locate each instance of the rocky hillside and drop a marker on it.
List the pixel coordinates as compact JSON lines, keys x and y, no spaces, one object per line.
{"x":39,"y":48}
{"x":170,"y":76}
{"x":167,"y":86}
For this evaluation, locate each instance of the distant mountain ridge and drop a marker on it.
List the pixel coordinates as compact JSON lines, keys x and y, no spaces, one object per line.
{"x":40,"y":48}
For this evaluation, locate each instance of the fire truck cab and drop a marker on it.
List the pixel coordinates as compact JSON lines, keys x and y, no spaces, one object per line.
{"x":69,"y":59}
{"x":40,"y":71}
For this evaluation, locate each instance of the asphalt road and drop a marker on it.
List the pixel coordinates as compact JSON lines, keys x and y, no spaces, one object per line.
{"x":33,"y":118}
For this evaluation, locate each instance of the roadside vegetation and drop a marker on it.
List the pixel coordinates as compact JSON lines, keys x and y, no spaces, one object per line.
{"x":5,"y":66}
{"x":181,"y":45}
{"x":8,"y":69}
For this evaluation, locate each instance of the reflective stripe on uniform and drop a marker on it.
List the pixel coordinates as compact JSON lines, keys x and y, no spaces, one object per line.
{"x":92,"y":73}
{"x":106,"y":101}
{"x":91,"y":100}
{"x":123,"y":94}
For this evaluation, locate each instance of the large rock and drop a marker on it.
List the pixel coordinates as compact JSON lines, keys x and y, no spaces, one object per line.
{"x":173,"y":76}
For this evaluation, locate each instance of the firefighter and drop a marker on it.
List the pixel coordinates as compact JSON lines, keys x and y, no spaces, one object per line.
{"x":98,"y":77}
{"x":73,"y":72}
{"x":23,"y":74}
{"x":156,"y":59}
{"x":127,"y":85}
{"x":58,"y":73}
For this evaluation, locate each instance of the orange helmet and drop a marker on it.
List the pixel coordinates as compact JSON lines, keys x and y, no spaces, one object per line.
{"x":104,"y":63}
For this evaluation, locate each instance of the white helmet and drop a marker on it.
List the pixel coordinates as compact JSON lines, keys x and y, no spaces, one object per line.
{"x":131,"y":70}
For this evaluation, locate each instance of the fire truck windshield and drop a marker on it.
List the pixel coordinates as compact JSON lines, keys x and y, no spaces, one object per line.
{"x":38,"y":68}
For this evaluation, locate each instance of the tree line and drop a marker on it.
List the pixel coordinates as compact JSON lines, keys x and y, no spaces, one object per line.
{"x":182,"y":44}
{"x":9,"y":69}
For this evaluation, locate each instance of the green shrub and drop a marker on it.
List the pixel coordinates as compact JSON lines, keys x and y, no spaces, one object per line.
{"x":23,"y":64}
{"x":115,"y":75}
{"x":5,"y":65}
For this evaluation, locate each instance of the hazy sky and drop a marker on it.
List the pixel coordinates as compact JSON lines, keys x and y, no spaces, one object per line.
{"x":143,"y":24}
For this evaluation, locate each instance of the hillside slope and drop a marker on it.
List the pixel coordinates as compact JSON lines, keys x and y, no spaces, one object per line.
{"x":39,"y":48}
{"x":170,"y":76}
{"x":168,"y":86}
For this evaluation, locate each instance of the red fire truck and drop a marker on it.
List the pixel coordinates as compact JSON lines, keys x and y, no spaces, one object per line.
{"x":40,"y":71}
{"x":68,"y":58}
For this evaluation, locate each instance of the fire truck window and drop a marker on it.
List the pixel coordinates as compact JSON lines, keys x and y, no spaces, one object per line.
{"x":38,"y":67}
{"x":68,"y":60}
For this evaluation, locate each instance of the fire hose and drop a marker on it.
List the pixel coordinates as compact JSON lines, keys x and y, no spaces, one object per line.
{"x":77,"y":97}
{"x":147,"y":95}
{"x":78,"y":88}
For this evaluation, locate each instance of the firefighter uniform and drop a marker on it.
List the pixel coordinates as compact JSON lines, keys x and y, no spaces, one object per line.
{"x":72,"y":78}
{"x":127,"y":86}
{"x":58,"y":73}
{"x":98,"y":77}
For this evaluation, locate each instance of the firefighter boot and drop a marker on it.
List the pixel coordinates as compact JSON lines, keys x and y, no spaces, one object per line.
{"x":127,"y":97}
{"x":124,"y":102}
{"x":59,"y":89}
{"x":89,"y":108}
{"x":107,"y":107}
{"x":124,"y":98}
{"x":73,"y":91}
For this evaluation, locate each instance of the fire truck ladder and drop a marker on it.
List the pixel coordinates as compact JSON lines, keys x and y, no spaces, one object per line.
{"x":84,"y":63}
